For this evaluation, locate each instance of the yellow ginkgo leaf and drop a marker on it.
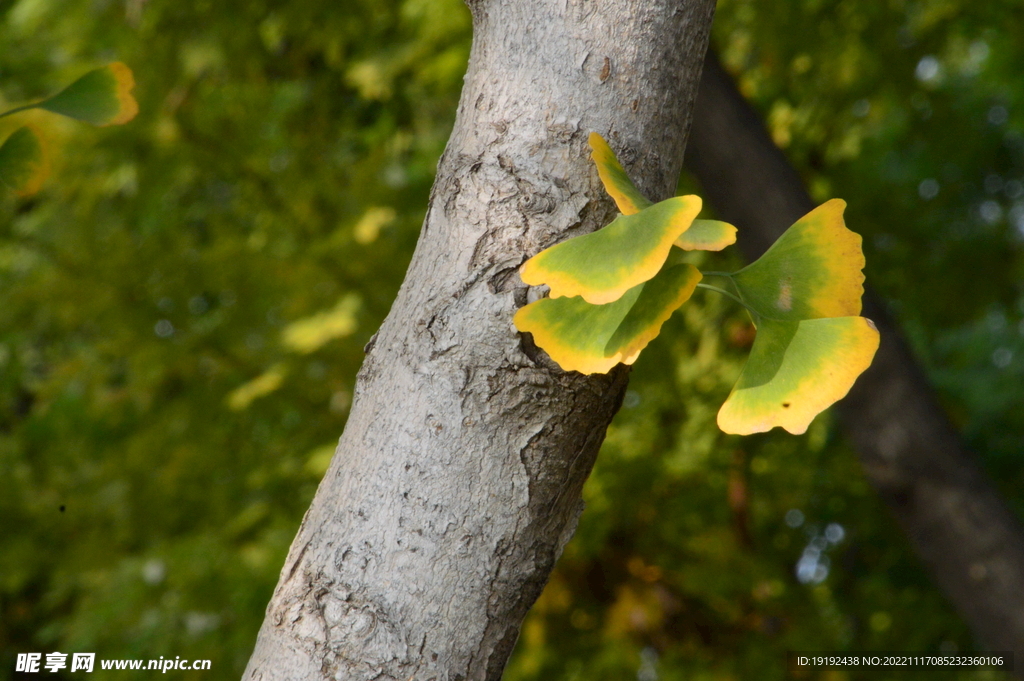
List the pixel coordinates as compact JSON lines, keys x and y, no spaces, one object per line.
{"x":707,"y":235}
{"x":812,"y":271}
{"x":796,"y":370}
{"x":603,"y":265}
{"x":661,"y":296}
{"x":627,"y":197}
{"x":703,"y":235}
{"x":594,"y":338}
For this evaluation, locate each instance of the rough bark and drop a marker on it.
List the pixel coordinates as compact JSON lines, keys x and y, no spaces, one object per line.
{"x":457,"y":480}
{"x":954,"y":517}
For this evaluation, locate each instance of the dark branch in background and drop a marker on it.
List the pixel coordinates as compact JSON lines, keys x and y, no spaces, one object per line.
{"x":954,"y":517}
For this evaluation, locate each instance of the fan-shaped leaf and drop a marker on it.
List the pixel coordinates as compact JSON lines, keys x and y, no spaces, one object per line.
{"x":594,"y":338}
{"x":627,"y":197}
{"x":796,"y":370}
{"x":812,"y":271}
{"x":573,"y":332}
{"x":707,"y":235}
{"x":101,"y":97}
{"x":603,"y":265}
{"x":23,"y":162}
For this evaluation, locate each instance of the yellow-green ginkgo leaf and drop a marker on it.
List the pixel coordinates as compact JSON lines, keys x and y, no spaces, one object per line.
{"x":23,"y":162}
{"x":796,"y":370}
{"x":594,"y":338}
{"x":101,"y":97}
{"x":703,"y":235}
{"x":660,"y":297}
{"x":618,"y":185}
{"x":573,"y":332}
{"x":707,"y":235}
{"x":812,"y":271}
{"x":603,"y":265}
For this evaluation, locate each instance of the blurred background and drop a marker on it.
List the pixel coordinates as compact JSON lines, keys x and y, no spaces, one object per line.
{"x":183,"y":309}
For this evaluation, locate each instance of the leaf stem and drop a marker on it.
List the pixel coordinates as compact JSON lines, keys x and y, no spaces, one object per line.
{"x":727,"y":294}
{"x":717,"y":274}
{"x":24,"y":107}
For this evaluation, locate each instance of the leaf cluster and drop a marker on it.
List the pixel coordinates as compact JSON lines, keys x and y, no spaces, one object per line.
{"x":611,"y":291}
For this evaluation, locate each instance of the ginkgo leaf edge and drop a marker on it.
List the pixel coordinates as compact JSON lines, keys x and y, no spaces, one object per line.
{"x":574,"y":332}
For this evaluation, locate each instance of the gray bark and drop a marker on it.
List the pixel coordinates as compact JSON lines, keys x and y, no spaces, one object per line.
{"x":954,"y":517}
{"x":457,"y":480}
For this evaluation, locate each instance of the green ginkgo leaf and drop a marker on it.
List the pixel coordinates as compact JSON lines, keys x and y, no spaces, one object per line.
{"x":594,"y":338}
{"x":796,"y":370}
{"x":618,"y":185}
{"x":101,"y":97}
{"x":812,"y":271}
{"x":603,"y":265}
{"x":707,"y":235}
{"x":23,"y":162}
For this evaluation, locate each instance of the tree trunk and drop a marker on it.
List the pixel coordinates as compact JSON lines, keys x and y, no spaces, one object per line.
{"x":457,"y":480}
{"x":910,"y":452}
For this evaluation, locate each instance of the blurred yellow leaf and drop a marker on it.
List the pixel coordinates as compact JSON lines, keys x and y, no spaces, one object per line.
{"x":637,"y":609}
{"x":374,"y":219}
{"x":319,"y":459}
{"x":264,"y":384}
{"x":370,"y":79}
{"x":23,"y":162}
{"x":310,"y":334}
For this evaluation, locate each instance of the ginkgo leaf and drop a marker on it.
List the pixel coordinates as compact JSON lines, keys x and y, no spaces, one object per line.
{"x":707,"y":235}
{"x":603,"y":265}
{"x":23,"y":162}
{"x":660,"y":297}
{"x":812,"y":271}
{"x":796,"y":370}
{"x":101,"y":97}
{"x":627,"y":197}
{"x":703,"y":235}
{"x":594,"y":338}
{"x":573,"y":332}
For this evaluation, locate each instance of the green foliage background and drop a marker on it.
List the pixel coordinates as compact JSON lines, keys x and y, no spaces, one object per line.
{"x":183,"y":309}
